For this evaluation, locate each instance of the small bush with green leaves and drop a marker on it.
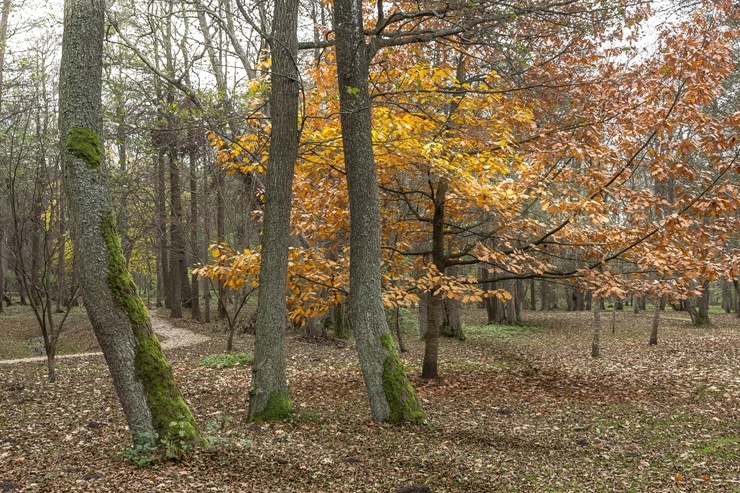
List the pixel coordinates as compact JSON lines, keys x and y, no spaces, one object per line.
{"x":227,"y":360}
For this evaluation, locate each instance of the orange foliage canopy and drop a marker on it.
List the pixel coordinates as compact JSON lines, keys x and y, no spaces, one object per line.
{"x":607,"y":165}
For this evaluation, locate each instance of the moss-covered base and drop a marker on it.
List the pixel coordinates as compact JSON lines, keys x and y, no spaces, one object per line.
{"x":278,"y":408}
{"x":173,"y":423}
{"x":402,"y":401}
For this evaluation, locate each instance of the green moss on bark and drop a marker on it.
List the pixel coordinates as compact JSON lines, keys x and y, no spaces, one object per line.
{"x":402,"y":401}
{"x":278,"y":408}
{"x":171,"y":418}
{"x":85,"y":144}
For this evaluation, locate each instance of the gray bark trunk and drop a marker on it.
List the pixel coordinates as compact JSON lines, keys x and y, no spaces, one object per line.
{"x":142,"y":378}
{"x":3,"y":44}
{"x":656,"y":323}
{"x":391,"y":396}
{"x":194,"y":247}
{"x":269,"y":392}
{"x":702,"y":316}
{"x":595,"y":344}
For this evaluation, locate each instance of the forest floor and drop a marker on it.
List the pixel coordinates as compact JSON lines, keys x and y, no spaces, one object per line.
{"x":515,"y":410}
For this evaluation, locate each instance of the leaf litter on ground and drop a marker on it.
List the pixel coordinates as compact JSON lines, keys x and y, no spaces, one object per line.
{"x":525,"y":411}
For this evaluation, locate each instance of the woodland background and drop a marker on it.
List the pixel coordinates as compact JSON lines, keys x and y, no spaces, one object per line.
{"x":577,"y":156}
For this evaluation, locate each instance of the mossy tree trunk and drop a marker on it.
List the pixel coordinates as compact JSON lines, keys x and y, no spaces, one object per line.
{"x":268,"y":397}
{"x":142,"y":378}
{"x":391,"y":396}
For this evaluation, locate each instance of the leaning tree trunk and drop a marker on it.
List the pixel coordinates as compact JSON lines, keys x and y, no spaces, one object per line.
{"x":142,"y":378}
{"x":391,"y":396}
{"x":268,"y":397}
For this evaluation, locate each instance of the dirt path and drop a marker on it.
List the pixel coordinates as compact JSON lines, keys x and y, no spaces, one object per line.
{"x":169,"y":336}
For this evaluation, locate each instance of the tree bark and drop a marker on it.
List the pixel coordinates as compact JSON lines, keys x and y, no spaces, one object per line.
{"x":194,"y":246}
{"x":268,"y":397}
{"x":436,"y":310}
{"x":595,"y":344}
{"x":656,"y":323}
{"x":142,"y":378}
{"x":702,"y":312}
{"x":727,"y":301}
{"x":3,"y":44}
{"x":391,"y":396}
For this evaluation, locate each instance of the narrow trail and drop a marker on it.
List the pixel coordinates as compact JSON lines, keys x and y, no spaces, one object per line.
{"x":170,"y":337}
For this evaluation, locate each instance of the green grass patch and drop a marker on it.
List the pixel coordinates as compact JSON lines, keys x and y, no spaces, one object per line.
{"x":722,"y":448}
{"x":227,"y":360}
{"x":500,"y":331}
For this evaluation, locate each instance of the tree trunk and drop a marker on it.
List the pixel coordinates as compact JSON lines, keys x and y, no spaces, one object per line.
{"x":142,"y":378}
{"x":339,"y":326}
{"x":399,"y":331}
{"x":452,"y":324}
{"x":727,"y":301}
{"x":424,"y":299}
{"x":268,"y":397}
{"x":3,"y":44}
{"x":520,"y":293}
{"x":221,"y":235}
{"x":702,"y":312}
{"x":436,"y":314}
{"x":391,"y":396}
{"x":204,"y":252}
{"x":532,"y":295}
{"x":163,"y":275}
{"x":2,"y":266}
{"x":194,"y":247}
{"x":595,"y":349}
{"x":656,"y":323}
{"x":545,"y":296}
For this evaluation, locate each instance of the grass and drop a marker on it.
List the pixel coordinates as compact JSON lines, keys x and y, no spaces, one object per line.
{"x":18,"y":325}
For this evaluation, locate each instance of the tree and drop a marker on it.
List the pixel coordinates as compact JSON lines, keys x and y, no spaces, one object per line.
{"x":3,"y":42}
{"x":391,"y":396}
{"x":155,"y":410}
{"x":268,"y":396}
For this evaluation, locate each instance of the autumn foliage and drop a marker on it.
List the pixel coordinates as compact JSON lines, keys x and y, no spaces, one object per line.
{"x":602,"y":158}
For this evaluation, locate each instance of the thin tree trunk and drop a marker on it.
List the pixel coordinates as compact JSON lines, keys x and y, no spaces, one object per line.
{"x":142,"y":378}
{"x":423,"y":317}
{"x":545,"y":296}
{"x":194,"y":247}
{"x":206,"y":234}
{"x":595,"y":349}
{"x":702,"y":313}
{"x":391,"y":396}
{"x":3,"y":44}
{"x":399,"y":332}
{"x":726,"y":296}
{"x":656,"y":323}
{"x":532,"y":295}
{"x":435,"y":317}
{"x":163,"y":275}
{"x":268,"y":397}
